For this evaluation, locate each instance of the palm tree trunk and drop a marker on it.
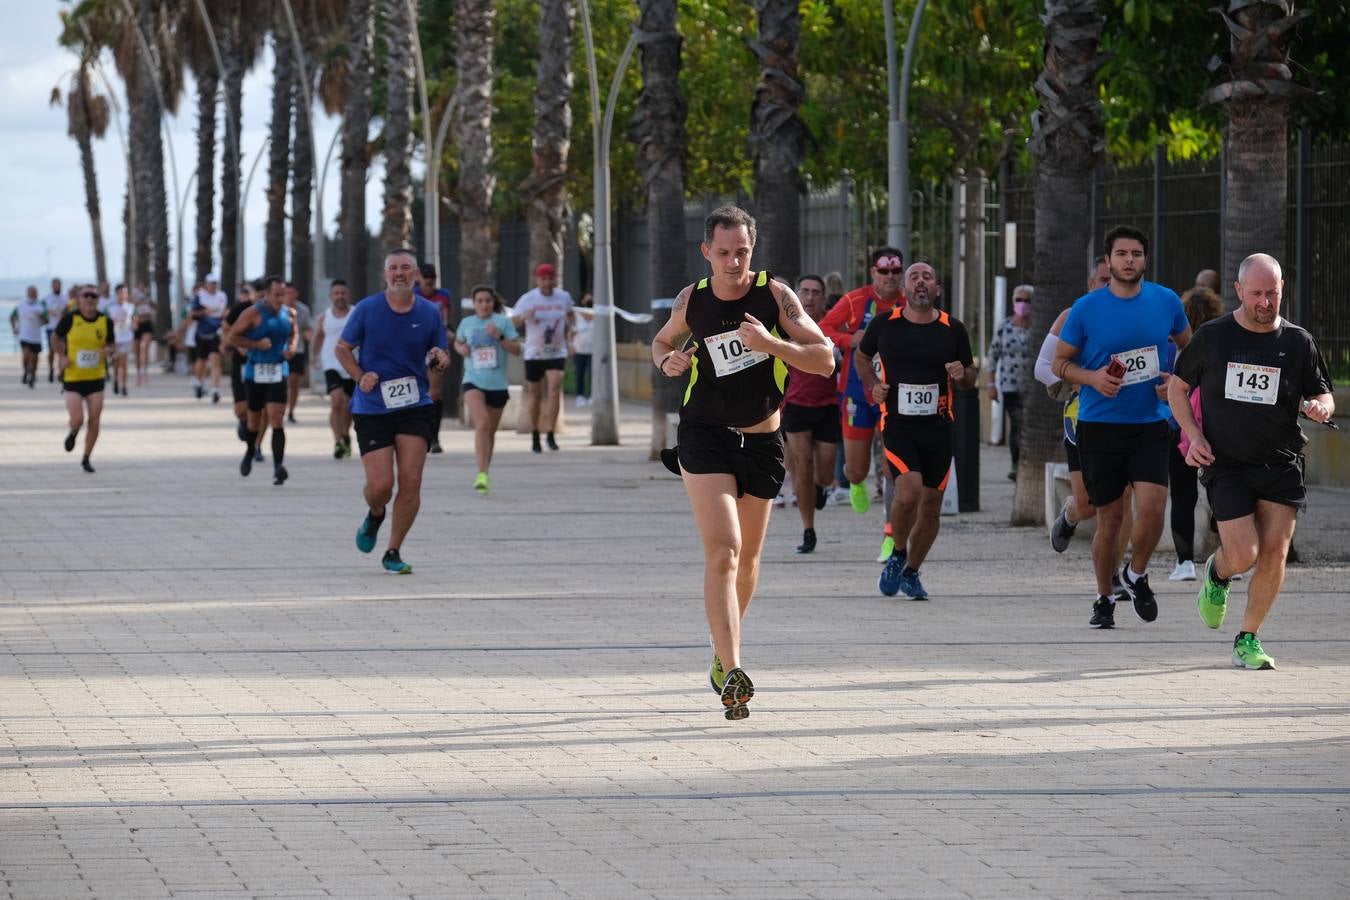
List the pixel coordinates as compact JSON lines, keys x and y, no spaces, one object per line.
{"x":473,"y":134}
{"x":151,"y":199}
{"x":355,"y":143}
{"x":778,"y":137}
{"x":658,"y":129}
{"x":208,"y":84}
{"x":1067,"y":143}
{"x":279,"y":151}
{"x":302,"y":180}
{"x":234,"y":52}
{"x":546,"y":188}
{"x":85,"y":141}
{"x":396,"y":230}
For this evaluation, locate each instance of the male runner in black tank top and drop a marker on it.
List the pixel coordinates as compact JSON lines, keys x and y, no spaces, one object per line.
{"x":745,"y":326}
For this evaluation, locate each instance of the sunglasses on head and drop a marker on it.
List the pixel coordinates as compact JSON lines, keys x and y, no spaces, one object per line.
{"x":881,"y":271}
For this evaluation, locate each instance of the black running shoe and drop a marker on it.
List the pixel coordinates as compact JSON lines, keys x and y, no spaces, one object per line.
{"x":552,"y":444}
{"x":70,"y":440}
{"x":84,"y":464}
{"x":436,"y":446}
{"x":808,"y":543}
{"x":736,"y":692}
{"x":246,"y":464}
{"x":821,"y":497}
{"x":1145,"y":602}
{"x":279,"y":475}
{"x":535,"y":445}
{"x":1103,"y":613}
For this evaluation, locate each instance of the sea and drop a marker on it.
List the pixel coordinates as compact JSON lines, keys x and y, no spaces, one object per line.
{"x":11,"y":292}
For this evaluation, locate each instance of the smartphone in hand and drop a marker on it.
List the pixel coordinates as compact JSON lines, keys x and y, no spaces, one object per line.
{"x":1116,"y":369}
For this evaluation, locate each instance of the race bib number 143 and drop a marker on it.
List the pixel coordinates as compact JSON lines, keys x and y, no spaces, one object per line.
{"x":1247,"y":383}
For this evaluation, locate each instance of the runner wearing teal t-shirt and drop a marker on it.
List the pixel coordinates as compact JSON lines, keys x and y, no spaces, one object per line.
{"x":484,"y":339}
{"x":1114,"y":345}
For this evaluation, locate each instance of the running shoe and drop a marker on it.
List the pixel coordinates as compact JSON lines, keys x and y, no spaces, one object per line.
{"x":199,"y":391}
{"x":857,"y":495}
{"x":1248,"y":653}
{"x":1062,"y":531}
{"x":394,"y":564}
{"x":279,"y":475}
{"x":716,"y":677}
{"x":889,"y":582}
{"x":1103,"y":613}
{"x":347,"y":446}
{"x":84,"y":464}
{"x":70,"y":440}
{"x":436,"y":446}
{"x":480,"y":483}
{"x":737,"y":689}
{"x":887,"y":548}
{"x":1012,"y":474}
{"x":1185,"y":571}
{"x":257,"y":454}
{"x":337,"y":449}
{"x":552,"y":444}
{"x":911,"y":586}
{"x":1212,"y":601}
{"x":366,"y":534}
{"x":246,"y":464}
{"x":215,"y":395}
{"x":821,"y":497}
{"x":839,"y":496}
{"x":535,"y":445}
{"x":290,"y":417}
{"x":1145,"y":602}
{"x":808,"y":544}
{"x":242,"y":431}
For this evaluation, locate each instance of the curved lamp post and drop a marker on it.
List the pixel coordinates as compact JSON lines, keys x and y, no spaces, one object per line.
{"x":243,"y":198}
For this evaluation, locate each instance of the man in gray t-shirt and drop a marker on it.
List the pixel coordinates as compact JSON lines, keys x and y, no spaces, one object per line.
{"x":300,"y":363}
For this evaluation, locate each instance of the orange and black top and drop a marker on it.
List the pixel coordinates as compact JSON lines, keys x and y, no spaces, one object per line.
{"x":729,"y":384}
{"x":913,"y":361}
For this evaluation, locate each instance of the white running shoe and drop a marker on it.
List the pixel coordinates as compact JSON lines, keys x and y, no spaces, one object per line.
{"x":839,"y":496}
{"x":1185,"y":571}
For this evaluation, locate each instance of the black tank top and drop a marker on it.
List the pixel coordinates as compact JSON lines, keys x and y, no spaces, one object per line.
{"x":728,"y":384}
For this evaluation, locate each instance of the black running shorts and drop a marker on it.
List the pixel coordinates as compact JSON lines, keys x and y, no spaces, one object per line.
{"x":822,"y":421}
{"x":1234,"y":490}
{"x":1114,"y":455}
{"x":535,"y":368}
{"x":377,"y":431}
{"x":333,"y":379}
{"x":237,"y":379}
{"x":754,"y":460}
{"x":1071,"y":454}
{"x":926,"y":449}
{"x":494,"y":399}
{"x":259,"y":395}
{"x":84,"y":388}
{"x":206,"y":346}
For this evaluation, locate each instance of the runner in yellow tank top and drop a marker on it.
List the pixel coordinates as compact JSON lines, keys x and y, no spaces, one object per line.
{"x":84,"y":340}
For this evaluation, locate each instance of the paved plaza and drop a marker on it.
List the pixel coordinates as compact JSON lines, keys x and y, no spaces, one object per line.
{"x":206,"y":691}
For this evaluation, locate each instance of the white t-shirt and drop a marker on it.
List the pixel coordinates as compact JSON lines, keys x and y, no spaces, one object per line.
{"x":583,"y":328}
{"x":214,"y":304}
{"x":121,"y":315}
{"x":546,"y":332}
{"x":30,"y":320}
{"x":56,"y":308}
{"x":332,"y":330}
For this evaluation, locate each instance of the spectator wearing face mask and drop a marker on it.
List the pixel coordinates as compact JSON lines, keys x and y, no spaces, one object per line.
{"x":1010,"y":362}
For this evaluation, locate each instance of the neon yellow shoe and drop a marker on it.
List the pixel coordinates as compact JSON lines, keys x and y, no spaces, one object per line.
{"x":887,"y":548}
{"x":716,"y":677}
{"x":480,"y":484}
{"x":857,"y":495}
{"x":1212,"y":601}
{"x":1248,"y":653}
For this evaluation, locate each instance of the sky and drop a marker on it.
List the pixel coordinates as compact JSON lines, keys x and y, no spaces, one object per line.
{"x":44,"y":230}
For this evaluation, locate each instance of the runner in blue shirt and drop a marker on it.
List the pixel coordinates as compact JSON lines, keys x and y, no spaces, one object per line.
{"x":398,"y":336}
{"x":1113,"y":345}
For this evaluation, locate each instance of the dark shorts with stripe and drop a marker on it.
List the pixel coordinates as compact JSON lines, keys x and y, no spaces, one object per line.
{"x":926,"y":449}
{"x":754,"y":460}
{"x":1235,"y":490}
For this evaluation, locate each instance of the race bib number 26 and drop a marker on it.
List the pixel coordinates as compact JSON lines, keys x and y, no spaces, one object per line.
{"x":729,"y":355}
{"x":1140,"y":365}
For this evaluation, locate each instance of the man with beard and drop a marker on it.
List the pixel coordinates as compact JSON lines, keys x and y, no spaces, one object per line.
{"x":1112,"y":346}
{"x":1255,"y":372}
{"x":924,"y":353}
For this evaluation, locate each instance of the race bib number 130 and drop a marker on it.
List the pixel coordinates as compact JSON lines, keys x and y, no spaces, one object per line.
{"x":1247,"y":383}
{"x":729,"y":355}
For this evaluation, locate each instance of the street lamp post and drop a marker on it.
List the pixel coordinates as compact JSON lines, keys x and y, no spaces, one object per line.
{"x":605,"y":383}
{"x":898,"y":219}
{"x":243,"y":201}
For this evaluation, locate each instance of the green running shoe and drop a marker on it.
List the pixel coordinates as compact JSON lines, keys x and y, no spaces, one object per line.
{"x":1248,"y":654}
{"x":480,"y":483}
{"x":394,"y":564}
{"x":857,"y":495}
{"x":1212,"y":602}
{"x":887,"y":548}
{"x":716,"y":677}
{"x":736,"y":693}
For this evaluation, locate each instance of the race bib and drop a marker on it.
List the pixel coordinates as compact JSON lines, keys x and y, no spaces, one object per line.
{"x":266,"y":373}
{"x":485,"y":357}
{"x":916,"y":399}
{"x":86,"y":359}
{"x":1248,"y":383}
{"x":729,"y":355}
{"x":1140,"y":365}
{"x":400,"y":392}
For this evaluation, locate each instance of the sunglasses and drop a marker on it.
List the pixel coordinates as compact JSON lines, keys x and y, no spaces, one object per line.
{"x":89,"y":296}
{"x":881,"y":271}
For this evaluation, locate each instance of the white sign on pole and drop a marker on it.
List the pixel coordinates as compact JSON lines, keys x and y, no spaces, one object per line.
{"x":1009,"y":245}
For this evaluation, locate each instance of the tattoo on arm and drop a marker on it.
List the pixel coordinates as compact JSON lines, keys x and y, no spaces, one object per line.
{"x":681,"y":301}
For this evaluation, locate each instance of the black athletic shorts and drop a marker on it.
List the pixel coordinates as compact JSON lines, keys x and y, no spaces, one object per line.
{"x":494,"y":399}
{"x":1114,"y":455}
{"x":821,"y":421}
{"x":1234,"y":490}
{"x":237,"y":379}
{"x":299,"y":362}
{"x":535,"y":369}
{"x":144,"y":328}
{"x":31,"y":346}
{"x":84,"y":388}
{"x":926,"y":449}
{"x":334,"y":380}
{"x":1071,"y":454}
{"x":207,"y":345}
{"x":259,"y":395}
{"x":754,"y":460}
{"x":375,"y":432}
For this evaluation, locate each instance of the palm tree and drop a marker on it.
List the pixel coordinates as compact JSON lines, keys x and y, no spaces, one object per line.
{"x":241,"y":31}
{"x":1256,"y":97}
{"x":1067,"y":140}
{"x":284,"y":89}
{"x":473,"y":135}
{"x":360,"y":38}
{"x":87,"y":117}
{"x":546,"y":188}
{"x":399,"y":28}
{"x":778,"y":136}
{"x":197,"y":48}
{"x":658,"y":129}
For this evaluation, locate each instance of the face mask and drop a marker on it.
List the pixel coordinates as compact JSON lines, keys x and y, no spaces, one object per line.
{"x":1021,"y":308}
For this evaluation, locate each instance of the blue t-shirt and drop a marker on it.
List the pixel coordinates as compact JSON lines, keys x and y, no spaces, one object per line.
{"x":276,"y":327}
{"x":394,"y":346}
{"x":1135,"y":330}
{"x":485,"y":366}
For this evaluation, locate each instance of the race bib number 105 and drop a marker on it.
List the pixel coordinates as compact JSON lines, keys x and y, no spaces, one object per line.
{"x":729,"y":355}
{"x":1247,"y":383}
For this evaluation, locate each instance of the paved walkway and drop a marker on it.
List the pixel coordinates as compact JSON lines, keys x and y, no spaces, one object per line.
{"x":206,"y":691}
